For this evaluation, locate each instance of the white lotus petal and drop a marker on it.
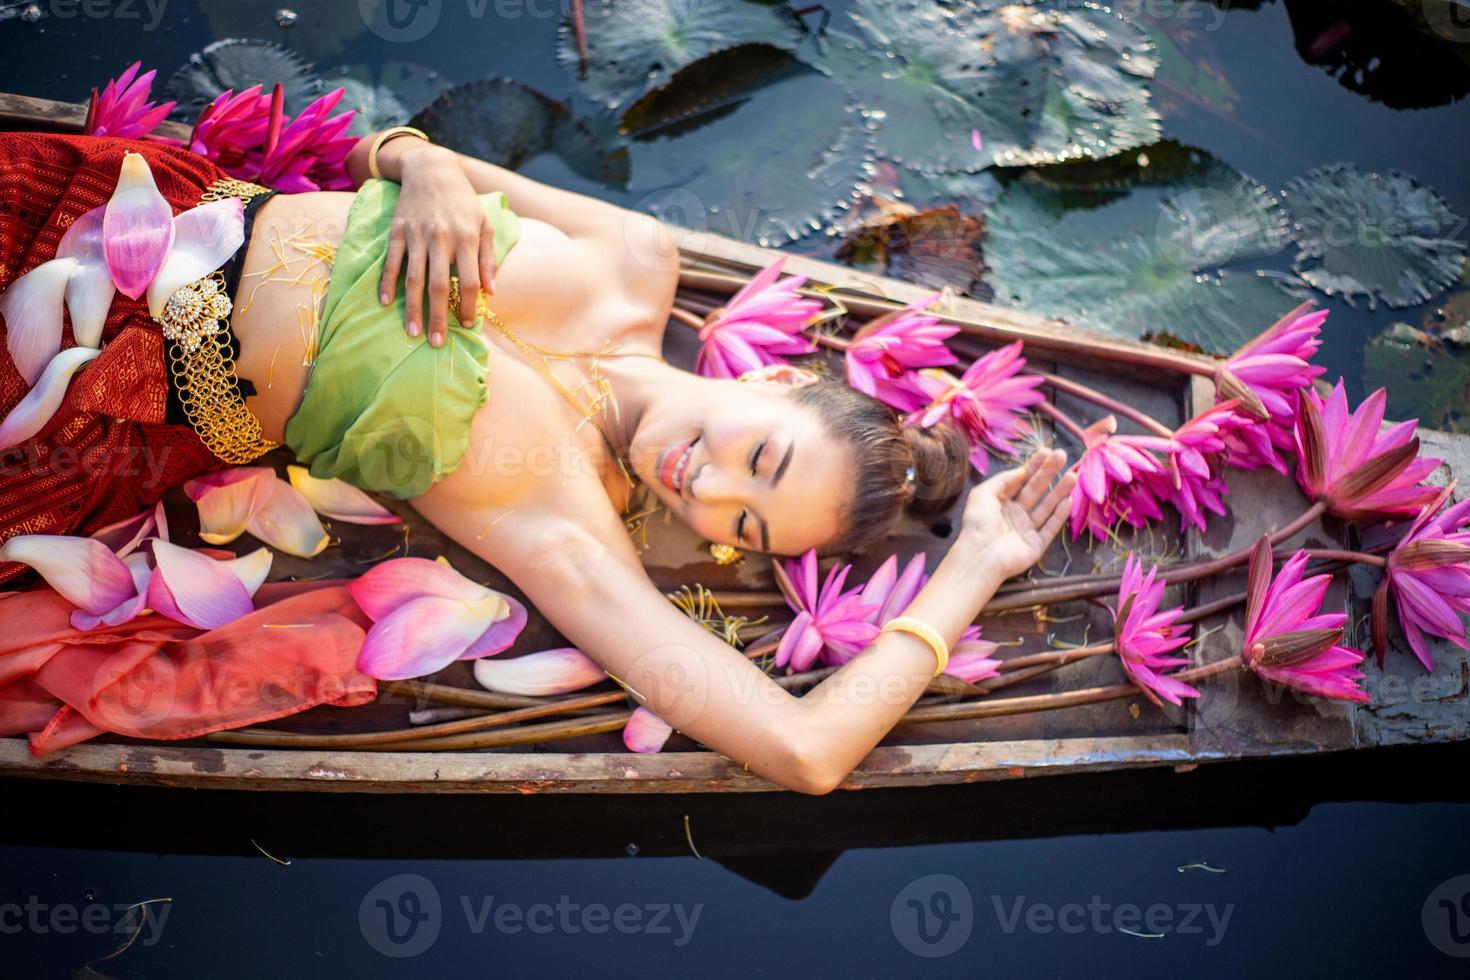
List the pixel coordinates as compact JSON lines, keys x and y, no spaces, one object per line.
{"x":339,"y":499}
{"x":251,"y":569}
{"x":83,"y":570}
{"x":40,"y":403}
{"x":204,"y":237}
{"x":33,"y":314}
{"x":547,"y":672}
{"x":90,"y":290}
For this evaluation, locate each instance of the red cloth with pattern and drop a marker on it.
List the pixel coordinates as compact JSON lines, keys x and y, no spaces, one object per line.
{"x":106,"y":454}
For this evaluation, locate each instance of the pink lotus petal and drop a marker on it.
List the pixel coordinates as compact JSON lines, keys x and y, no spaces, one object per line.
{"x":646,"y":731}
{"x":556,"y":671}
{"x":251,"y":569}
{"x":227,"y":500}
{"x":195,"y":589}
{"x":137,"y":228}
{"x":125,"y":535}
{"x":33,"y":411}
{"x":390,"y":584}
{"x":501,"y":634}
{"x":83,"y":570}
{"x":137,"y":564}
{"x":425,"y":635}
{"x":339,"y":499}
{"x":204,"y":237}
{"x":89,"y":291}
{"x":283,"y":519}
{"x":33,"y":312}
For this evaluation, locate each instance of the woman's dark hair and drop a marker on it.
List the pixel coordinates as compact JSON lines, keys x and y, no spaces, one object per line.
{"x":883,"y":450}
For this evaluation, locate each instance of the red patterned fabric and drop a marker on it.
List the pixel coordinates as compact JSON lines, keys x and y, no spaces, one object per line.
{"x":106,"y":454}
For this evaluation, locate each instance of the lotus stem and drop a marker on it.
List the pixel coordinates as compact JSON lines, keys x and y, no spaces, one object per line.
{"x":1079,"y":390}
{"x":1063,"y":419}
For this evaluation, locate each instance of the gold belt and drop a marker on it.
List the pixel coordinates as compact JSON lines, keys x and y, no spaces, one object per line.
{"x":196,"y":323}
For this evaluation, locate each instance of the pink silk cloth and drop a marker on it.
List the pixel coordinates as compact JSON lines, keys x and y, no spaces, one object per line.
{"x":155,"y":678}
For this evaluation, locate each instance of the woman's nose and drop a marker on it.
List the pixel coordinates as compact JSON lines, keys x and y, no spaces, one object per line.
{"x":714,"y":484}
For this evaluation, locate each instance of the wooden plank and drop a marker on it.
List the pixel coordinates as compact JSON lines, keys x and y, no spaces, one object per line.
{"x":28,"y":112}
{"x":496,"y":772}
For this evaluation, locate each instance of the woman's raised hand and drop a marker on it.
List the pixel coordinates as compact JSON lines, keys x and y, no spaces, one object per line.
{"x":1013,"y":516}
{"x":437,"y":222}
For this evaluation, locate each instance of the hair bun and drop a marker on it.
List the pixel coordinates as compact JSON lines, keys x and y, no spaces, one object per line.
{"x":941,"y":467}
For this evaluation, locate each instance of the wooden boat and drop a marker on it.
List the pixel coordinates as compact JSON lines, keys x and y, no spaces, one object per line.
{"x":948,"y":740}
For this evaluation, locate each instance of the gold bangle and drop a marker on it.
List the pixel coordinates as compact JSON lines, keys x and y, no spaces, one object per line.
{"x":384,"y":137}
{"x":925,"y":632}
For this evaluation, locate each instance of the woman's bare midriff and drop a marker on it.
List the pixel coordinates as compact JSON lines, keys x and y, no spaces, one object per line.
{"x":545,"y":289}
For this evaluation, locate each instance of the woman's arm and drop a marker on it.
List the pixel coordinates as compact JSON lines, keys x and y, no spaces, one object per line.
{"x":437,"y":223}
{"x":589,"y":583}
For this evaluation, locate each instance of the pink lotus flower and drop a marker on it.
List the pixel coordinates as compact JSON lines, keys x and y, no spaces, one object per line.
{"x":883,"y":355}
{"x":1265,"y":375}
{"x":987,"y":401}
{"x":123,"y":108}
{"x":1144,"y":635}
{"x":426,"y":615}
{"x":760,"y":325}
{"x":1287,"y":639}
{"x":1110,"y":481}
{"x":250,"y":137}
{"x":1361,"y":473}
{"x":1194,"y":456}
{"x":1429,"y":574}
{"x":825,"y":617}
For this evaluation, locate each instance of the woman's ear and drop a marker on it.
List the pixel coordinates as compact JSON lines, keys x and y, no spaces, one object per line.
{"x":783,"y":374}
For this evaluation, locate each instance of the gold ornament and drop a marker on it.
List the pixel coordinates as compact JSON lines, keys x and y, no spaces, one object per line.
{"x":725,"y":554}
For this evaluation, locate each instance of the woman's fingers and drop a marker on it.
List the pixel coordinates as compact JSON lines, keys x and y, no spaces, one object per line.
{"x":439,"y":262}
{"x":1050,"y":465}
{"x":413,"y":285}
{"x":487,"y":259}
{"x":392,"y":266}
{"x":1009,"y":483}
{"x":467,"y":265}
{"x":1058,"y":501}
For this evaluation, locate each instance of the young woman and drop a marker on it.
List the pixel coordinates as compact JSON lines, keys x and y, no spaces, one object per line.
{"x":361,"y":364}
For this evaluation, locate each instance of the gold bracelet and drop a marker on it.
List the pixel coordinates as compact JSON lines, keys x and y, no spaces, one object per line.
{"x":925,"y":632}
{"x":384,"y":137}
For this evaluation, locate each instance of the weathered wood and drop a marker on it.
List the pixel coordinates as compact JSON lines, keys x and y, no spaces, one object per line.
{"x":30,"y":113}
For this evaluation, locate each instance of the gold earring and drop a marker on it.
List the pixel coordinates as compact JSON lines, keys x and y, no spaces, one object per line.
{"x":725,"y":554}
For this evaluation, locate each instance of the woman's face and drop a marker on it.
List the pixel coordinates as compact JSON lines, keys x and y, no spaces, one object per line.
{"x":742,"y":464}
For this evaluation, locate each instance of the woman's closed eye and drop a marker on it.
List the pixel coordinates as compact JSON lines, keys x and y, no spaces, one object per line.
{"x":755,"y":459}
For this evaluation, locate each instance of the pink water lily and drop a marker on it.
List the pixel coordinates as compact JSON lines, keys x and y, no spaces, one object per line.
{"x":1429,"y":576}
{"x":426,"y":615}
{"x":123,"y":109}
{"x":1145,"y":636}
{"x":539,"y":674}
{"x":1288,"y":640}
{"x":1194,"y":458}
{"x":237,"y":499}
{"x":646,"y":731}
{"x":339,"y":499}
{"x":759,"y":326}
{"x":1110,"y":481}
{"x":249,"y":136}
{"x":1265,"y":375}
{"x":987,"y":401}
{"x":137,"y":228}
{"x":1362,"y":473}
{"x":230,"y":127}
{"x":825,"y":616}
{"x":884,"y":353}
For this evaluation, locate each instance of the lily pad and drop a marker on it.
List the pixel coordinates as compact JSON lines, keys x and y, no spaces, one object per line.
{"x":1427,"y":377}
{"x":508,"y":124}
{"x":635,"y":46}
{"x":1179,"y":256}
{"x":237,"y":64}
{"x":1037,"y":83}
{"x":403,"y":89}
{"x":766,"y":165}
{"x":1384,"y":236}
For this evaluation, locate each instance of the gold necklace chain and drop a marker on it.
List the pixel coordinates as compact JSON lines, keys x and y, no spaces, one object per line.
{"x":536,"y":356}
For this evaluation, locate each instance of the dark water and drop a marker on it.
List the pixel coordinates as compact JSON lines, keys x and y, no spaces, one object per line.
{"x":1327,"y":870}
{"x":1332,"y":867}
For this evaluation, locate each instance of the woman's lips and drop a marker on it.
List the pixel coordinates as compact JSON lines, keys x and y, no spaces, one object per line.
{"x":675,"y":466}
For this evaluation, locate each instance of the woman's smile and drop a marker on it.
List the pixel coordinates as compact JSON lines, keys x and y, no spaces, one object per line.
{"x":673,"y":467}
